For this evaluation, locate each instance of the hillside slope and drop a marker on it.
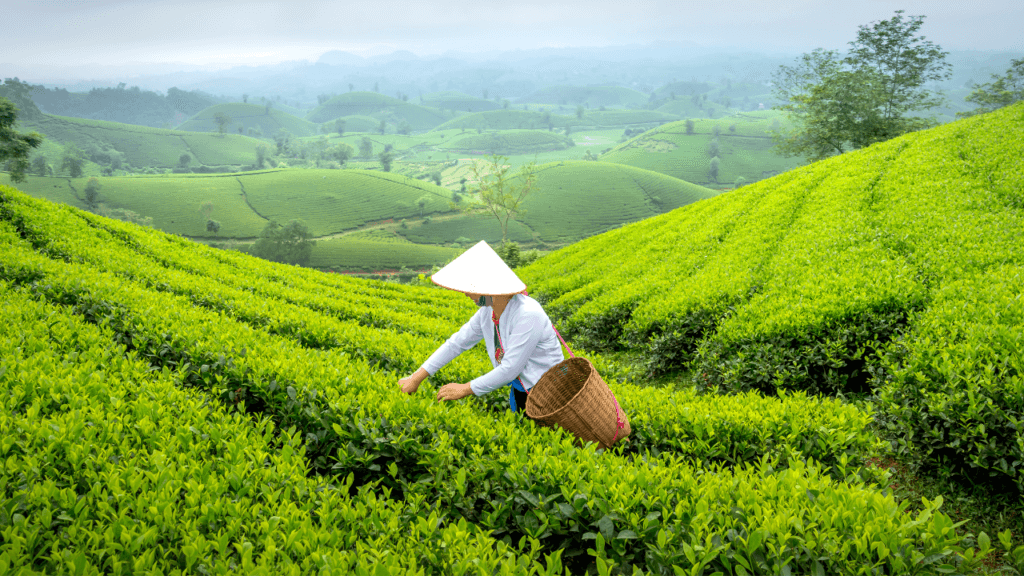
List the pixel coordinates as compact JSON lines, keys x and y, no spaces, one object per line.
{"x":896,"y":270}
{"x":218,"y":412}
{"x":265,"y":119}
{"x":744,"y":149}
{"x":393,"y":110}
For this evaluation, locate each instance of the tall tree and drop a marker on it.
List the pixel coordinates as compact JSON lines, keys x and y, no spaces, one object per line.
{"x":1001,"y":91}
{"x":867,"y":96}
{"x":15,"y":146}
{"x":72,"y":160}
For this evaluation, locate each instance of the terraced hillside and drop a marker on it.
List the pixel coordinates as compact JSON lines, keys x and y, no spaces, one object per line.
{"x":377,"y":106}
{"x":896,"y":271}
{"x":149,"y":147}
{"x":572,"y":200}
{"x":508,"y":142}
{"x":248,"y":117}
{"x":171,"y":408}
{"x":743,"y":145}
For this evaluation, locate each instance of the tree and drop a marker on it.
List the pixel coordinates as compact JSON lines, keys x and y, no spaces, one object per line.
{"x":339,"y":127}
{"x":184,"y":160}
{"x":501,"y":192}
{"x":868,"y":96}
{"x":288,"y":244}
{"x":212,"y":226}
{"x":92,"y":192}
{"x":261,"y":156}
{"x":436,"y":177}
{"x":40,"y":167}
{"x":222,"y":121}
{"x":689,"y":127}
{"x":386,"y":158}
{"x":382,"y":128}
{"x":713,"y":148}
{"x":713,"y":170}
{"x":579,"y":111}
{"x":404,"y":127}
{"x":1001,"y":91}
{"x":15,"y":146}
{"x":365,"y":147}
{"x":72,"y":160}
{"x":245,"y":98}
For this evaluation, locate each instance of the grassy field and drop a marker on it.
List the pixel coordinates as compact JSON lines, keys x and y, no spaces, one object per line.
{"x":507,"y":142}
{"x":249,"y":117}
{"x":745,"y":150}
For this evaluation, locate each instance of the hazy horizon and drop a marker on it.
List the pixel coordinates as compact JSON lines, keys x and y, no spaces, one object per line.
{"x":68,"y":38}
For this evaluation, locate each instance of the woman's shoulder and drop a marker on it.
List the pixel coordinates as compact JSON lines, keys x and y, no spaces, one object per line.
{"x":528,"y":307}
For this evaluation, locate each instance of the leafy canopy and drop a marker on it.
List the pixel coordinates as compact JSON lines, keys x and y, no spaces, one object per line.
{"x":289,"y":244}
{"x":15,"y":146}
{"x":843,"y":103}
{"x":1002,"y":91}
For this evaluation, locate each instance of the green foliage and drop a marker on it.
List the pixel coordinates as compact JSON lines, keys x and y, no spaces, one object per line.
{"x":289,"y":244}
{"x":386,"y":158}
{"x":867,"y":97}
{"x":72,"y":160}
{"x":92,"y":192}
{"x":15,"y":147}
{"x":1001,"y":91}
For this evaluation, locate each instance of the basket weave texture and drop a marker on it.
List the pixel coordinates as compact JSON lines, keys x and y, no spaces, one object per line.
{"x":573,"y":396}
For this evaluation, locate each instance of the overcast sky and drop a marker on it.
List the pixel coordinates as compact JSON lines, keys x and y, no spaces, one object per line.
{"x":72,"y":32}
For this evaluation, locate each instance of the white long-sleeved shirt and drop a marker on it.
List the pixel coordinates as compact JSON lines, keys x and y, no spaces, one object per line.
{"x":531,"y":346}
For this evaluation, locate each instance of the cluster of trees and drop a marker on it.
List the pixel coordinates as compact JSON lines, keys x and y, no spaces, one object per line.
{"x":122,"y":104}
{"x":873,"y":93}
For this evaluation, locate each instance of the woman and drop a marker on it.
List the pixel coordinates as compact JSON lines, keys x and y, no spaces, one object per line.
{"x":521,"y":342}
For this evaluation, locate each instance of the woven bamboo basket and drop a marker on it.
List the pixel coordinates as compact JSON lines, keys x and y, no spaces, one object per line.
{"x":573,"y":396}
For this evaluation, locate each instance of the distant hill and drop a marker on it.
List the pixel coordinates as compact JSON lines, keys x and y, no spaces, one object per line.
{"x":377,"y":106}
{"x":149,"y":147}
{"x":357,"y":123}
{"x":508,"y":142}
{"x":573,"y":200}
{"x":261,"y":119}
{"x":329,"y":201}
{"x":585,"y":95}
{"x":508,"y":119}
{"x":744,"y":150}
{"x":121,"y":104}
{"x":458,"y":101}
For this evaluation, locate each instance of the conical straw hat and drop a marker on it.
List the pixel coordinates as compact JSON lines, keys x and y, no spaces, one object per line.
{"x":481,"y":271}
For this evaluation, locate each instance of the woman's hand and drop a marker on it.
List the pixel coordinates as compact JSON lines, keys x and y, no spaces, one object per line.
{"x":410,"y":384}
{"x":453,"y":391}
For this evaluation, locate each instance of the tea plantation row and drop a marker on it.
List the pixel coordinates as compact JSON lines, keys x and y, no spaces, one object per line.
{"x":895,"y":271}
{"x":747,"y":484}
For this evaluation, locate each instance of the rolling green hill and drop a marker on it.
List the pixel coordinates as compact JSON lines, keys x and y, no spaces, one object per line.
{"x":249,"y":117}
{"x":536,"y":120}
{"x":377,"y":106}
{"x":895,"y":271}
{"x":508,"y":142}
{"x":572,"y":200}
{"x":357,"y":123}
{"x":149,"y":147}
{"x":458,"y":101}
{"x":744,"y":150}
{"x":329,"y":201}
{"x":593,"y":96}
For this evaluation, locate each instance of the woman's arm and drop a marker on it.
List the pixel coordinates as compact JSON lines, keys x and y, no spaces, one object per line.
{"x":410,"y":384}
